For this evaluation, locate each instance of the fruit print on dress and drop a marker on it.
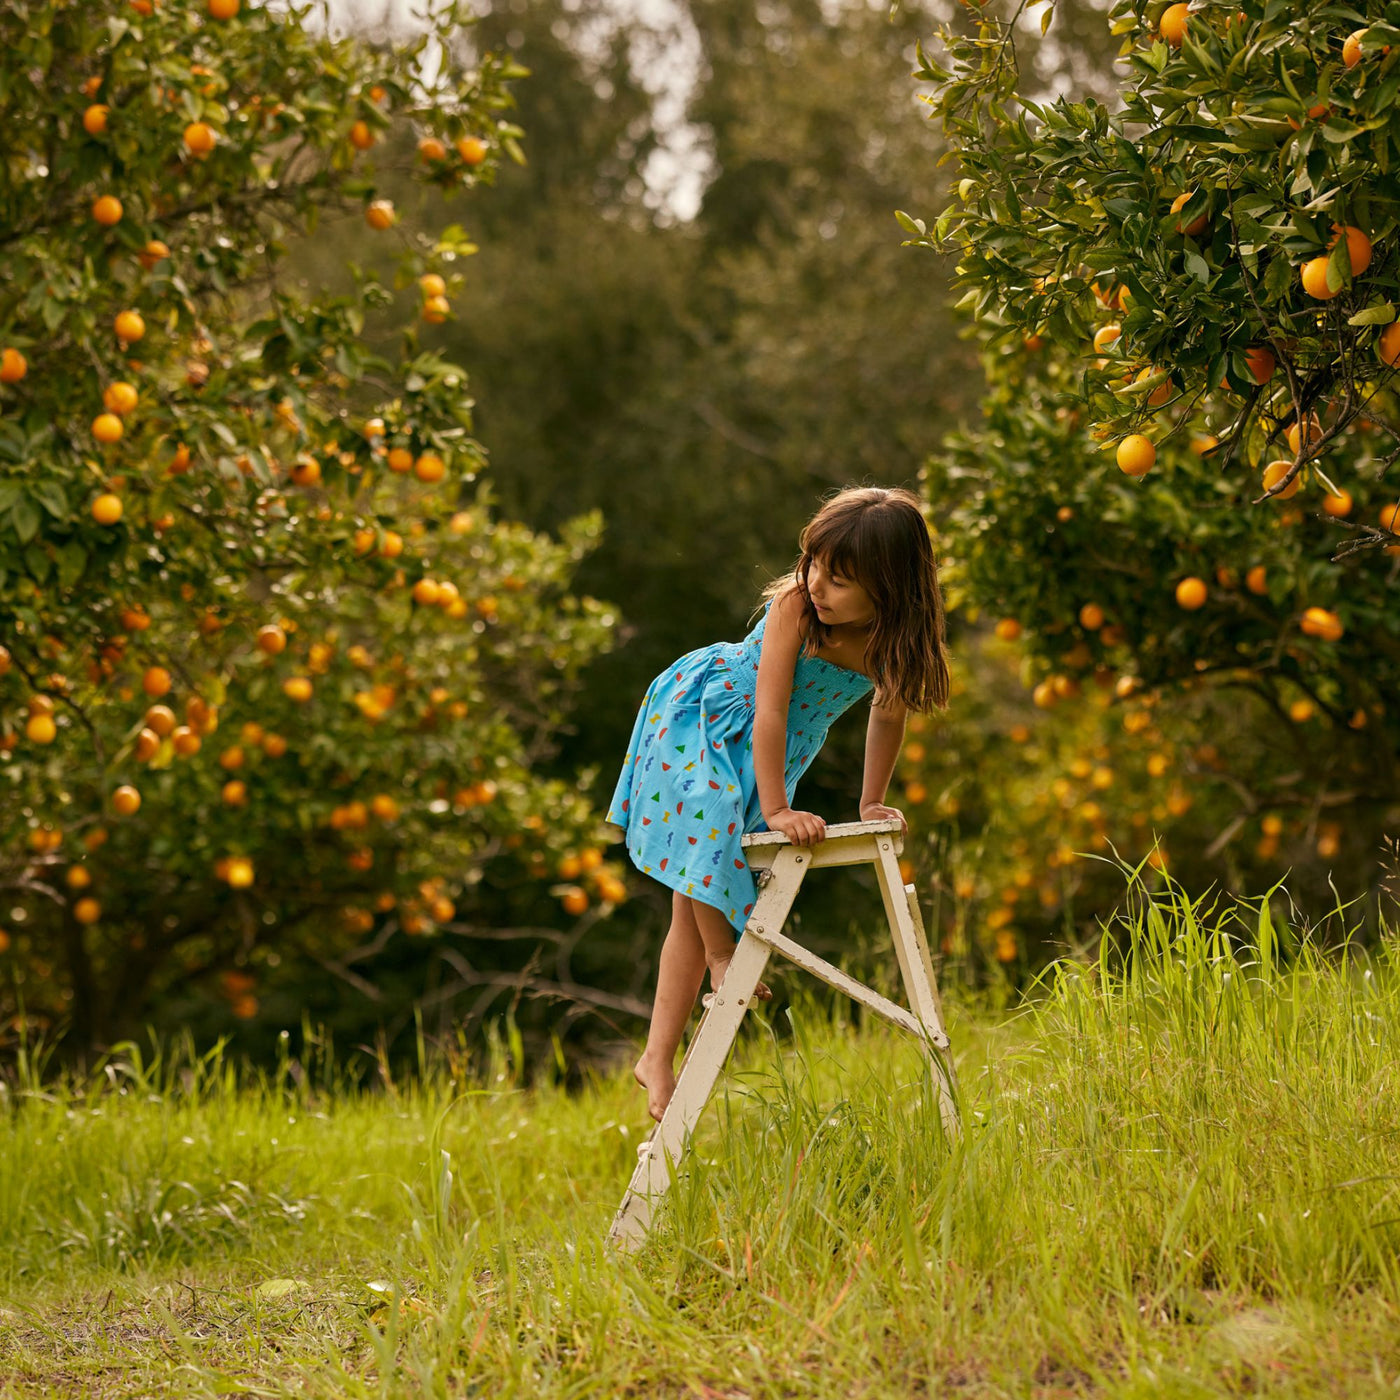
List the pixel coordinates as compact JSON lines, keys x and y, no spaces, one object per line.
{"x":689,"y":765}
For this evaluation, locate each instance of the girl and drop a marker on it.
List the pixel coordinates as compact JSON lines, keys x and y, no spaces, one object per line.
{"x":723,"y":734}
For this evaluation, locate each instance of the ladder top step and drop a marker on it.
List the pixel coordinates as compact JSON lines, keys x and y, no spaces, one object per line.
{"x":834,"y":832}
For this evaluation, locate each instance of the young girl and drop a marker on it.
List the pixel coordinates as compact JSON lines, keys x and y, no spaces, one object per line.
{"x":724,"y":733}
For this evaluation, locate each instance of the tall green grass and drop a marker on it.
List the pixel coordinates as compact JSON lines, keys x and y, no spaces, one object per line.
{"x":1177,"y":1176}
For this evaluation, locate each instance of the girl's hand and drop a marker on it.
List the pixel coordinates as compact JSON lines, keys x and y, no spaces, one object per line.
{"x":877,"y":811}
{"x":801,"y":828}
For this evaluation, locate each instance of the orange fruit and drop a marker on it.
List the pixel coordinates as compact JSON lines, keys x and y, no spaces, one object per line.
{"x":1390,"y":518}
{"x":1388,"y":346}
{"x":1259,"y":360}
{"x":306,"y":471}
{"x":107,"y":428}
{"x":180,"y":462}
{"x":240,"y":876}
{"x":1295,"y":437}
{"x":436,"y":310}
{"x":1198,"y":224}
{"x":1318,"y":622}
{"x":223,"y":9}
{"x":1275,"y":472}
{"x":432,"y":285}
{"x":129,"y":326}
{"x":40,"y":729}
{"x":1351,"y":50}
{"x":425,"y":592}
{"x":1338,"y":505}
{"x":1007,"y":629}
{"x":107,"y":209}
{"x":126,"y":800}
{"x":1191,"y":593}
{"x":400,"y":459}
{"x":13,"y":366}
{"x":429,"y":467}
{"x":297,"y":688}
{"x":152,"y":253}
{"x":120,"y":397}
{"x":430,"y":148}
{"x":87,"y":910}
{"x":1314,"y":275}
{"x":361,"y":137}
{"x":1203,"y":444}
{"x":1256,"y":581}
{"x":1106,"y":335}
{"x":1301,"y":711}
{"x":156,"y":682}
{"x":1136,"y":454}
{"x":472,"y":149}
{"x":160,"y":718}
{"x":1172,"y":25}
{"x":575,"y":901}
{"x":1358,"y":247}
{"x":380,"y":214}
{"x":1162,"y":392}
{"x":92,"y":86}
{"x":95,"y":119}
{"x":199,"y":138}
{"x":107,"y":508}
{"x":271,"y":639}
{"x":1091,"y":617}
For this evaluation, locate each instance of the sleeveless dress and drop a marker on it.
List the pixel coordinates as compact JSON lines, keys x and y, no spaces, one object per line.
{"x":687,"y":792}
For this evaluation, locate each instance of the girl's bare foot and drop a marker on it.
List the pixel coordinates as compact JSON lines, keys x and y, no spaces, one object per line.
{"x":659,"y":1080}
{"x":718,"y":966}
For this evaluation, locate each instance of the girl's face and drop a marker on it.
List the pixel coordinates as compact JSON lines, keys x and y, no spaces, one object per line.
{"x":839,"y":600}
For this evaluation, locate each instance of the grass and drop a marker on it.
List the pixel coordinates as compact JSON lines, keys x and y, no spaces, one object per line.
{"x":1178,"y":1177}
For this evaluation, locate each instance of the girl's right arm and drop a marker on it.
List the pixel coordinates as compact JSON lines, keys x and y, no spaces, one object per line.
{"x":777,"y":662}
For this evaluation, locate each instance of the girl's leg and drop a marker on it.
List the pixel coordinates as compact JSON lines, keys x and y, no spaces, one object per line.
{"x":678,"y":982}
{"x":720,"y":943}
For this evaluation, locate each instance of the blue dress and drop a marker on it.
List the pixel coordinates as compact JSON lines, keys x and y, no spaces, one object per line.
{"x":687,"y":792}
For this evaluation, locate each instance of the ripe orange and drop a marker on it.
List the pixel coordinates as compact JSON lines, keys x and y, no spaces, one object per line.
{"x":1295,"y":437}
{"x":1388,"y":346}
{"x":199,"y":138}
{"x":223,"y":9}
{"x":380,"y":214}
{"x":297,"y":688}
{"x":425,"y":593}
{"x":1007,"y":629}
{"x":1172,"y":25}
{"x":432,"y":285}
{"x":1358,"y":247}
{"x":1136,"y":454}
{"x":152,"y":253}
{"x":1198,"y":224}
{"x":400,"y":459}
{"x":430,"y":148}
{"x":575,"y":901}
{"x":107,"y":508}
{"x":271,"y":639}
{"x":1275,"y":472}
{"x":107,"y":428}
{"x":87,"y":910}
{"x":126,"y":800}
{"x":1339,"y":505}
{"x":1320,"y":112}
{"x":472,"y":149}
{"x":41,"y":729}
{"x":1390,"y":518}
{"x":436,"y":310}
{"x":13,"y":366}
{"x":120,"y":397}
{"x":1351,"y":50}
{"x":361,"y":137}
{"x":129,"y":326}
{"x":1162,"y":392}
{"x":1106,"y":335}
{"x":156,"y":682}
{"x":240,"y":876}
{"x":180,"y":462}
{"x":1203,"y":444}
{"x":1260,"y":361}
{"x":95,"y":119}
{"x":234,"y":793}
{"x":1256,"y":581}
{"x":160,"y":718}
{"x":1191,"y":593}
{"x":306,"y":471}
{"x":92,"y":86}
{"x":1318,"y":622}
{"x":1301,"y":711}
{"x":1314,"y":274}
{"x":429,"y":467}
{"x":107,"y":209}
{"x":1091,"y":617}
{"x":1032,"y":342}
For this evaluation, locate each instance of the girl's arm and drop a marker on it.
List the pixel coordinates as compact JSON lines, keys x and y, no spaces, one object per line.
{"x":884,"y":737}
{"x":777,"y":661}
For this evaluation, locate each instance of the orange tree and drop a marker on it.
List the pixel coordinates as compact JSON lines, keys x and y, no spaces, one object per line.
{"x":272,"y":674}
{"x":1188,"y":312}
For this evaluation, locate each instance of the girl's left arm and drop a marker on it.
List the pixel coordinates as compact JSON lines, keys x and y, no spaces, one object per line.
{"x":883,"y":739}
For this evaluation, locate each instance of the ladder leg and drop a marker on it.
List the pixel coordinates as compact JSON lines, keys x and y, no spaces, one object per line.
{"x":916,"y":967}
{"x":703,"y":1061}
{"x":705,"y":1056}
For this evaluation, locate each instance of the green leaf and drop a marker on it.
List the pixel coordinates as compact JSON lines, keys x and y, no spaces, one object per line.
{"x":280,"y":1287}
{"x":1377,"y":314}
{"x":25,"y":519}
{"x":72,"y":561}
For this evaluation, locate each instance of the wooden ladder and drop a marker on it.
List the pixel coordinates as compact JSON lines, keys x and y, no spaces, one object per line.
{"x":780,"y":868}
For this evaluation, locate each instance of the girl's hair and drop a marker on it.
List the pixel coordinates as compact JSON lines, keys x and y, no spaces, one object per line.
{"x":878,"y":536}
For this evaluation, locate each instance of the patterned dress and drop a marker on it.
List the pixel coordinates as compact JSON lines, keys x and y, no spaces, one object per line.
{"x":687,"y":792}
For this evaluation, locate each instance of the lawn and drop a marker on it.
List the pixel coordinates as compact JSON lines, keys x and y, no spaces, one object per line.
{"x":1177,"y":1177}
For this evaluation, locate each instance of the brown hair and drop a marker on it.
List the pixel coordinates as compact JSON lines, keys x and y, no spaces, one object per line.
{"x":879,"y":537}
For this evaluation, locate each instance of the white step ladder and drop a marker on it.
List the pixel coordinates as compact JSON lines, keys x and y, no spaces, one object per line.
{"x":780,"y":868}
